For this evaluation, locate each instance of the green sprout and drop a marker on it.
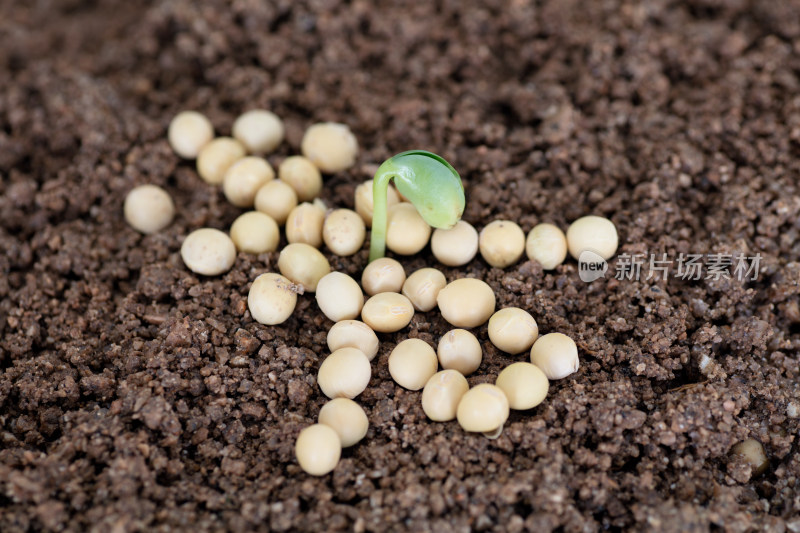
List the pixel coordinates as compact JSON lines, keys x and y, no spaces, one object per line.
{"x":429,"y":182}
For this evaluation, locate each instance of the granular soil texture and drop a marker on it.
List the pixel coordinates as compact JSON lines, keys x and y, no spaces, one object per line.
{"x":135,"y":395}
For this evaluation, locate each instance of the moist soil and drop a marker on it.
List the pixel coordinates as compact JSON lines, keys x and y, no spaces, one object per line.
{"x":135,"y":395}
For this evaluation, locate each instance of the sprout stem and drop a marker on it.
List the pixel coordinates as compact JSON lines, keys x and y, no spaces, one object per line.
{"x":380,"y":186}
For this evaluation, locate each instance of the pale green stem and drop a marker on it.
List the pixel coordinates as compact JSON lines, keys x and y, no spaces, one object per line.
{"x":380,"y":186}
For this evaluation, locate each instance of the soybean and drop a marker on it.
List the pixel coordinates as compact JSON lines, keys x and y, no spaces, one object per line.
{"x":303,"y":264}
{"x":272,"y":299}
{"x":422,"y":287}
{"x":353,"y":334}
{"x":345,"y":417}
{"x":387,"y":312}
{"x":513,"y":330}
{"x":339,"y":296}
{"x":148,"y":209}
{"x":412,"y":363}
{"x":442,"y":393}
{"x":466,"y":302}
{"x":502,"y":243}
{"x":344,"y":374}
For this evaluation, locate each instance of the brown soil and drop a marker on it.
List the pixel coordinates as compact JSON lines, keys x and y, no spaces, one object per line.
{"x":135,"y":395}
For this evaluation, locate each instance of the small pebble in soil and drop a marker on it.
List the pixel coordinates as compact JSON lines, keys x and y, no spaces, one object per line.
{"x":345,"y":417}
{"x":301,"y":175}
{"x":546,"y":244}
{"x":483,"y":408}
{"x":752,"y":451}
{"x":412,"y":363}
{"x":217,"y":157}
{"x":466,"y":302}
{"x":460,"y":350}
{"x":303,"y":264}
{"x":271,"y":299}
{"x":364,"y":202}
{"x":255,"y":233}
{"x":556,"y":355}
{"x":387,"y":312}
{"x":593,"y":233}
{"x":353,"y":334}
{"x":442,"y":393}
{"x":208,"y":251}
{"x":318,"y":449}
{"x":383,"y":275}
{"x":456,"y":246}
{"x":513,"y":330}
{"x":260,"y":131}
{"x":422,"y":287}
{"x":339,"y":296}
{"x":188,"y":133}
{"x":501,"y":243}
{"x":244,"y":179}
{"x":406,"y":231}
{"x":343,"y":232}
{"x":304,"y":224}
{"x":148,"y":209}
{"x":344,"y":374}
{"x":524,"y":385}
{"x":332,"y":147}
{"x":276,"y":199}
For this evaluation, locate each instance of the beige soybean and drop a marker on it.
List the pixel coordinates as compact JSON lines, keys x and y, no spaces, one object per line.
{"x":387,"y":312}
{"x":217,"y":157}
{"x":244,"y":179}
{"x":456,"y":246}
{"x":272,"y":299}
{"x":502,"y":243}
{"x":442,"y":393}
{"x":276,"y":199}
{"x":513,"y":330}
{"x":483,"y":408}
{"x":302,"y":175}
{"x":339,"y":296}
{"x":208,"y":251}
{"x":422,"y":287}
{"x":347,"y":418}
{"x":303,"y":264}
{"x":524,"y":385}
{"x":753,"y":454}
{"x":343,"y":232}
{"x":318,"y":449}
{"x":255,"y":233}
{"x":188,"y":133}
{"x":344,"y":374}
{"x":260,"y":131}
{"x":353,"y":334}
{"x":364,"y":200}
{"x":383,"y":275}
{"x":466,"y":302}
{"x":556,"y":354}
{"x":304,"y":224}
{"x":330,"y":146}
{"x":412,"y":363}
{"x":546,"y":244}
{"x":406,"y":231}
{"x":460,"y":350}
{"x":148,"y":209}
{"x":593,"y":233}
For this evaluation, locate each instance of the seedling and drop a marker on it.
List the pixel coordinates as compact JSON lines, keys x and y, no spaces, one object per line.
{"x":427,"y":181}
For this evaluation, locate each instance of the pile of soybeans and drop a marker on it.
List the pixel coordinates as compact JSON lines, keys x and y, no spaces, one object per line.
{"x":290,"y":200}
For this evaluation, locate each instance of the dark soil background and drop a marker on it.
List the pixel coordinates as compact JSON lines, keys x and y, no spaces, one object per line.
{"x":135,"y":395}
